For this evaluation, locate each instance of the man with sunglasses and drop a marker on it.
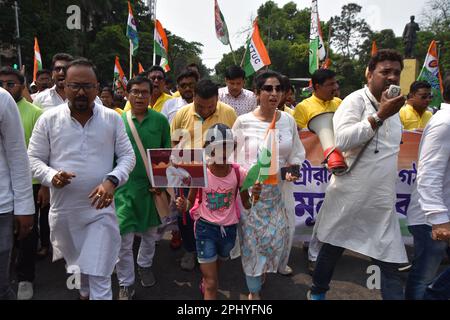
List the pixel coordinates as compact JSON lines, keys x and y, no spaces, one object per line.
{"x":414,"y":115}
{"x":186,"y":82}
{"x":82,"y":152}
{"x":13,"y":81}
{"x":158,"y":77}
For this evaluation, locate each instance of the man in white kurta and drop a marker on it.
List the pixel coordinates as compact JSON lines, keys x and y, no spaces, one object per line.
{"x":358,"y":212}
{"x":76,"y":150}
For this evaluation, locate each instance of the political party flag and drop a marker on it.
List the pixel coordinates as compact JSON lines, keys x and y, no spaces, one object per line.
{"x":430,"y":73}
{"x":119,"y":76}
{"x":266,"y":168}
{"x":37,"y":59}
{"x":161,"y":45}
{"x":317,"y":50}
{"x":221,"y":26}
{"x":374,"y":49}
{"x":140,"y":68}
{"x":256,"y":56}
{"x":132,"y":33}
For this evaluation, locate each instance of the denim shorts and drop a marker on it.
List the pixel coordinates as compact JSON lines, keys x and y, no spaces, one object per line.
{"x":212,"y":242}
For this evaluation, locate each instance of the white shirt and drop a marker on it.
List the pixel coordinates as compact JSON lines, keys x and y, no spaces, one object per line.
{"x":16,"y":193}
{"x":245,"y":102}
{"x":81,"y":234}
{"x":171,"y":107}
{"x":358,"y":212}
{"x":430,"y":198}
{"x":50,"y":98}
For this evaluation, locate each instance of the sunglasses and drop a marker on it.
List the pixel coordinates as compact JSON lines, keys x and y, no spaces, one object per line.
{"x":270,"y":88}
{"x":9,"y":84}
{"x":59,"y":69}
{"x":156,"y":78}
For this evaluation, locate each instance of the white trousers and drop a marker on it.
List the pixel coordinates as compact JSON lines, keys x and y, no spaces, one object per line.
{"x":125,"y":265}
{"x":95,"y":287}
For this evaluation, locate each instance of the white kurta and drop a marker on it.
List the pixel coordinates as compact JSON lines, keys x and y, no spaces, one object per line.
{"x":83,"y":236}
{"x":358,"y":212}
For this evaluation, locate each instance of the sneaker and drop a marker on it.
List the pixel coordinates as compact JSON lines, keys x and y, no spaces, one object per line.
{"x":175,"y":242}
{"x":404,"y":267}
{"x":188,"y":261}
{"x":287,"y":271}
{"x":311,"y":267}
{"x":312,"y":296}
{"x":25,"y":290}
{"x":126,"y":293}
{"x":147,"y":277}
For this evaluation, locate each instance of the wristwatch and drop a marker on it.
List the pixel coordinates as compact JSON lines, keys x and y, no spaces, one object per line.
{"x":378,"y":121}
{"x":114,"y":180}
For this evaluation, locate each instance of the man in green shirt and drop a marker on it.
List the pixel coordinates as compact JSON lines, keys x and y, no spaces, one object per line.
{"x":13,"y":81}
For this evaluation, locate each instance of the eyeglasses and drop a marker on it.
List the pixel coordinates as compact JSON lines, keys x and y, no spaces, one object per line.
{"x":270,"y":88}
{"x":59,"y":69}
{"x":77,"y":86}
{"x":137,"y":93}
{"x":159,"y":78}
{"x":8,"y":85}
{"x":187,"y":85}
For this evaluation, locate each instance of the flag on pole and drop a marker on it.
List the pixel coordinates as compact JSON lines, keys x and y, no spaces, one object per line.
{"x":374,"y":49}
{"x":256,"y":56}
{"x":161,"y":45}
{"x":266,"y":168}
{"x":119,"y":76}
{"x":141,"y":68}
{"x":132,"y":33}
{"x":37,"y":59}
{"x":221,"y":26}
{"x":430,"y":73}
{"x":317,"y":50}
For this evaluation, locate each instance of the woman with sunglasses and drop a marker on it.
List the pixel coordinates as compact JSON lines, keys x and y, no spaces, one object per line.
{"x":264,"y":229}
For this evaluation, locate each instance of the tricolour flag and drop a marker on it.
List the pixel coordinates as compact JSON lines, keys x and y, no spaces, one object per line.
{"x":256,"y":56}
{"x":119,"y":76}
{"x":37,"y":59}
{"x":161,"y":45}
{"x":221,"y":26}
{"x":132,"y":33}
{"x":374,"y":49}
{"x":317,"y":50}
{"x":266,"y":168}
{"x":430,"y":73}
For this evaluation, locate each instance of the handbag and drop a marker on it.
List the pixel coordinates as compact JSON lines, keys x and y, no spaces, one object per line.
{"x":161,"y":199}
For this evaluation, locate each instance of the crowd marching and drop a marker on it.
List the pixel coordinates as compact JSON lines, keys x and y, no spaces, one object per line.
{"x":75,"y":180}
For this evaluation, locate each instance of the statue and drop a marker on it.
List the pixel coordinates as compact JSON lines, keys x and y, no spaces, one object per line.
{"x":410,"y":37}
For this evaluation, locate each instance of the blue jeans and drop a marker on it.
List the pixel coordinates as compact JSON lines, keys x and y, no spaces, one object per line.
{"x":428,"y":255}
{"x":440,"y":289}
{"x":391,"y":283}
{"x":6,"y":244}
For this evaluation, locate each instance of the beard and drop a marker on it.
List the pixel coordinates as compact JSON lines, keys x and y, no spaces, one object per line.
{"x":80,"y":104}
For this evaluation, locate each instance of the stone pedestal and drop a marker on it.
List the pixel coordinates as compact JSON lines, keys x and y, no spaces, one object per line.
{"x":409,"y":74}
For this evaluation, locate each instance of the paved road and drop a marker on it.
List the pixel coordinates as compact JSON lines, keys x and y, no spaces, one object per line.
{"x":349,"y":281}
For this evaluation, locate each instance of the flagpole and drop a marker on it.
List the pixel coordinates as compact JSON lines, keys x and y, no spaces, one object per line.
{"x":232,"y":52}
{"x":131,"y":60}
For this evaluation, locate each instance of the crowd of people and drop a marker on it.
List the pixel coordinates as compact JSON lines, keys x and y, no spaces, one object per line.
{"x":75,"y":177}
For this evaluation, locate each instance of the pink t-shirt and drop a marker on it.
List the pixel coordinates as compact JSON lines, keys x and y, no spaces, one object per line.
{"x":219,"y":198}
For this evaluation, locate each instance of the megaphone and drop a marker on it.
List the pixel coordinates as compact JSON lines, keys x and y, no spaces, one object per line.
{"x":322,"y":125}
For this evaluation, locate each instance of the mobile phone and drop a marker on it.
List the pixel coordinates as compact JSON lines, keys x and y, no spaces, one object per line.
{"x":393,"y":91}
{"x":294,"y":170}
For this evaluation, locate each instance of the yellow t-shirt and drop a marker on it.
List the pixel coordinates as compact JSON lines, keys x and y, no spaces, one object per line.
{"x":411,"y":119}
{"x":288,"y":110}
{"x":311,"y":107}
{"x":187,"y":119}
{"x":158,"y":105}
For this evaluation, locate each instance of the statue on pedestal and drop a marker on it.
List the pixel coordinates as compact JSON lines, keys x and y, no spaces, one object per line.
{"x":410,"y":37}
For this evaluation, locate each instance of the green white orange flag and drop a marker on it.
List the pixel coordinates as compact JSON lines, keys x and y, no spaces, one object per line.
{"x":132,"y":33}
{"x":119,"y":77}
{"x":161,"y":46}
{"x":430,"y":73}
{"x":317,"y":50}
{"x":221,"y":26}
{"x":37,"y":59}
{"x":256,"y":56}
{"x":266,"y":168}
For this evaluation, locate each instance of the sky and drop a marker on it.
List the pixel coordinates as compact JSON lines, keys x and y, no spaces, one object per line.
{"x":194,"y":19}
